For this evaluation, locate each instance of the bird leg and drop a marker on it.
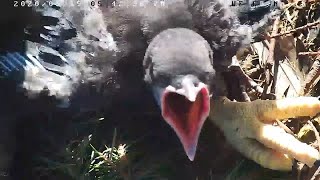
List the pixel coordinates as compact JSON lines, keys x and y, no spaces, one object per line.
{"x":249,"y":129}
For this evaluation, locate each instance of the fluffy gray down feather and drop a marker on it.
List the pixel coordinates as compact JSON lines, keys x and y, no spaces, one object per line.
{"x":81,"y":44}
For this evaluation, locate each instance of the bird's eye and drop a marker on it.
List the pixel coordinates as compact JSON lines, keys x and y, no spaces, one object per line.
{"x":162,"y":79}
{"x":196,"y":83}
{"x":205,"y":77}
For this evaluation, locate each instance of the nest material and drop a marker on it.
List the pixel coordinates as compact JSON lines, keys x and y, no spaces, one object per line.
{"x":286,"y":64}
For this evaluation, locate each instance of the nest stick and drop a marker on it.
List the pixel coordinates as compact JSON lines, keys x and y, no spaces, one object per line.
{"x":270,"y":60}
{"x":309,"y":53}
{"x":312,"y":78}
{"x":295,"y":30}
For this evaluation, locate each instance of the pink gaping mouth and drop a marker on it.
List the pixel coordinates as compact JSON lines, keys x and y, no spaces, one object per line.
{"x":186,"y":117}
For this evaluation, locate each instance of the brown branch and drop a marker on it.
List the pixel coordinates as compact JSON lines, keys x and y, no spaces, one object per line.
{"x":272,"y":42}
{"x":270,"y":60}
{"x":285,"y":127}
{"x":294,"y":3}
{"x":309,"y":53}
{"x":312,"y":78}
{"x":245,"y":79}
{"x":295,"y":30}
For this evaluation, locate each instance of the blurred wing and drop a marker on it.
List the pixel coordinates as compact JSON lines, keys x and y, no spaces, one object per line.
{"x":55,"y":46}
{"x":63,"y":44}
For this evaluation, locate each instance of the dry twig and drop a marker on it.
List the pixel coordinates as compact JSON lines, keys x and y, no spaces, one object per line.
{"x":246,"y":80}
{"x":272,"y":45}
{"x":295,"y":30}
{"x":285,"y":127}
{"x":312,"y":78}
{"x":270,"y":60}
{"x":309,"y":53}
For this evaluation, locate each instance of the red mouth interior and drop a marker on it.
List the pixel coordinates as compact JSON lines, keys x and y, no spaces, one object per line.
{"x":186,"y":117}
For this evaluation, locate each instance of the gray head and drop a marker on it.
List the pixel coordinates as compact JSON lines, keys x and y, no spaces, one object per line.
{"x":178,"y":67}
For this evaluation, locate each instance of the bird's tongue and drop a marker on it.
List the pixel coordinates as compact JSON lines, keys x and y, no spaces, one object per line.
{"x":186,"y":117}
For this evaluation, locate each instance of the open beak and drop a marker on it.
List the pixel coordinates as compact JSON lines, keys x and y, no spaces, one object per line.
{"x":185,"y":110}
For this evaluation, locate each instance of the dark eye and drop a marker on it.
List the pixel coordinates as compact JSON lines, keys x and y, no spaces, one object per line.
{"x":206,"y":77}
{"x":196,"y":83}
{"x":162,"y":79}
